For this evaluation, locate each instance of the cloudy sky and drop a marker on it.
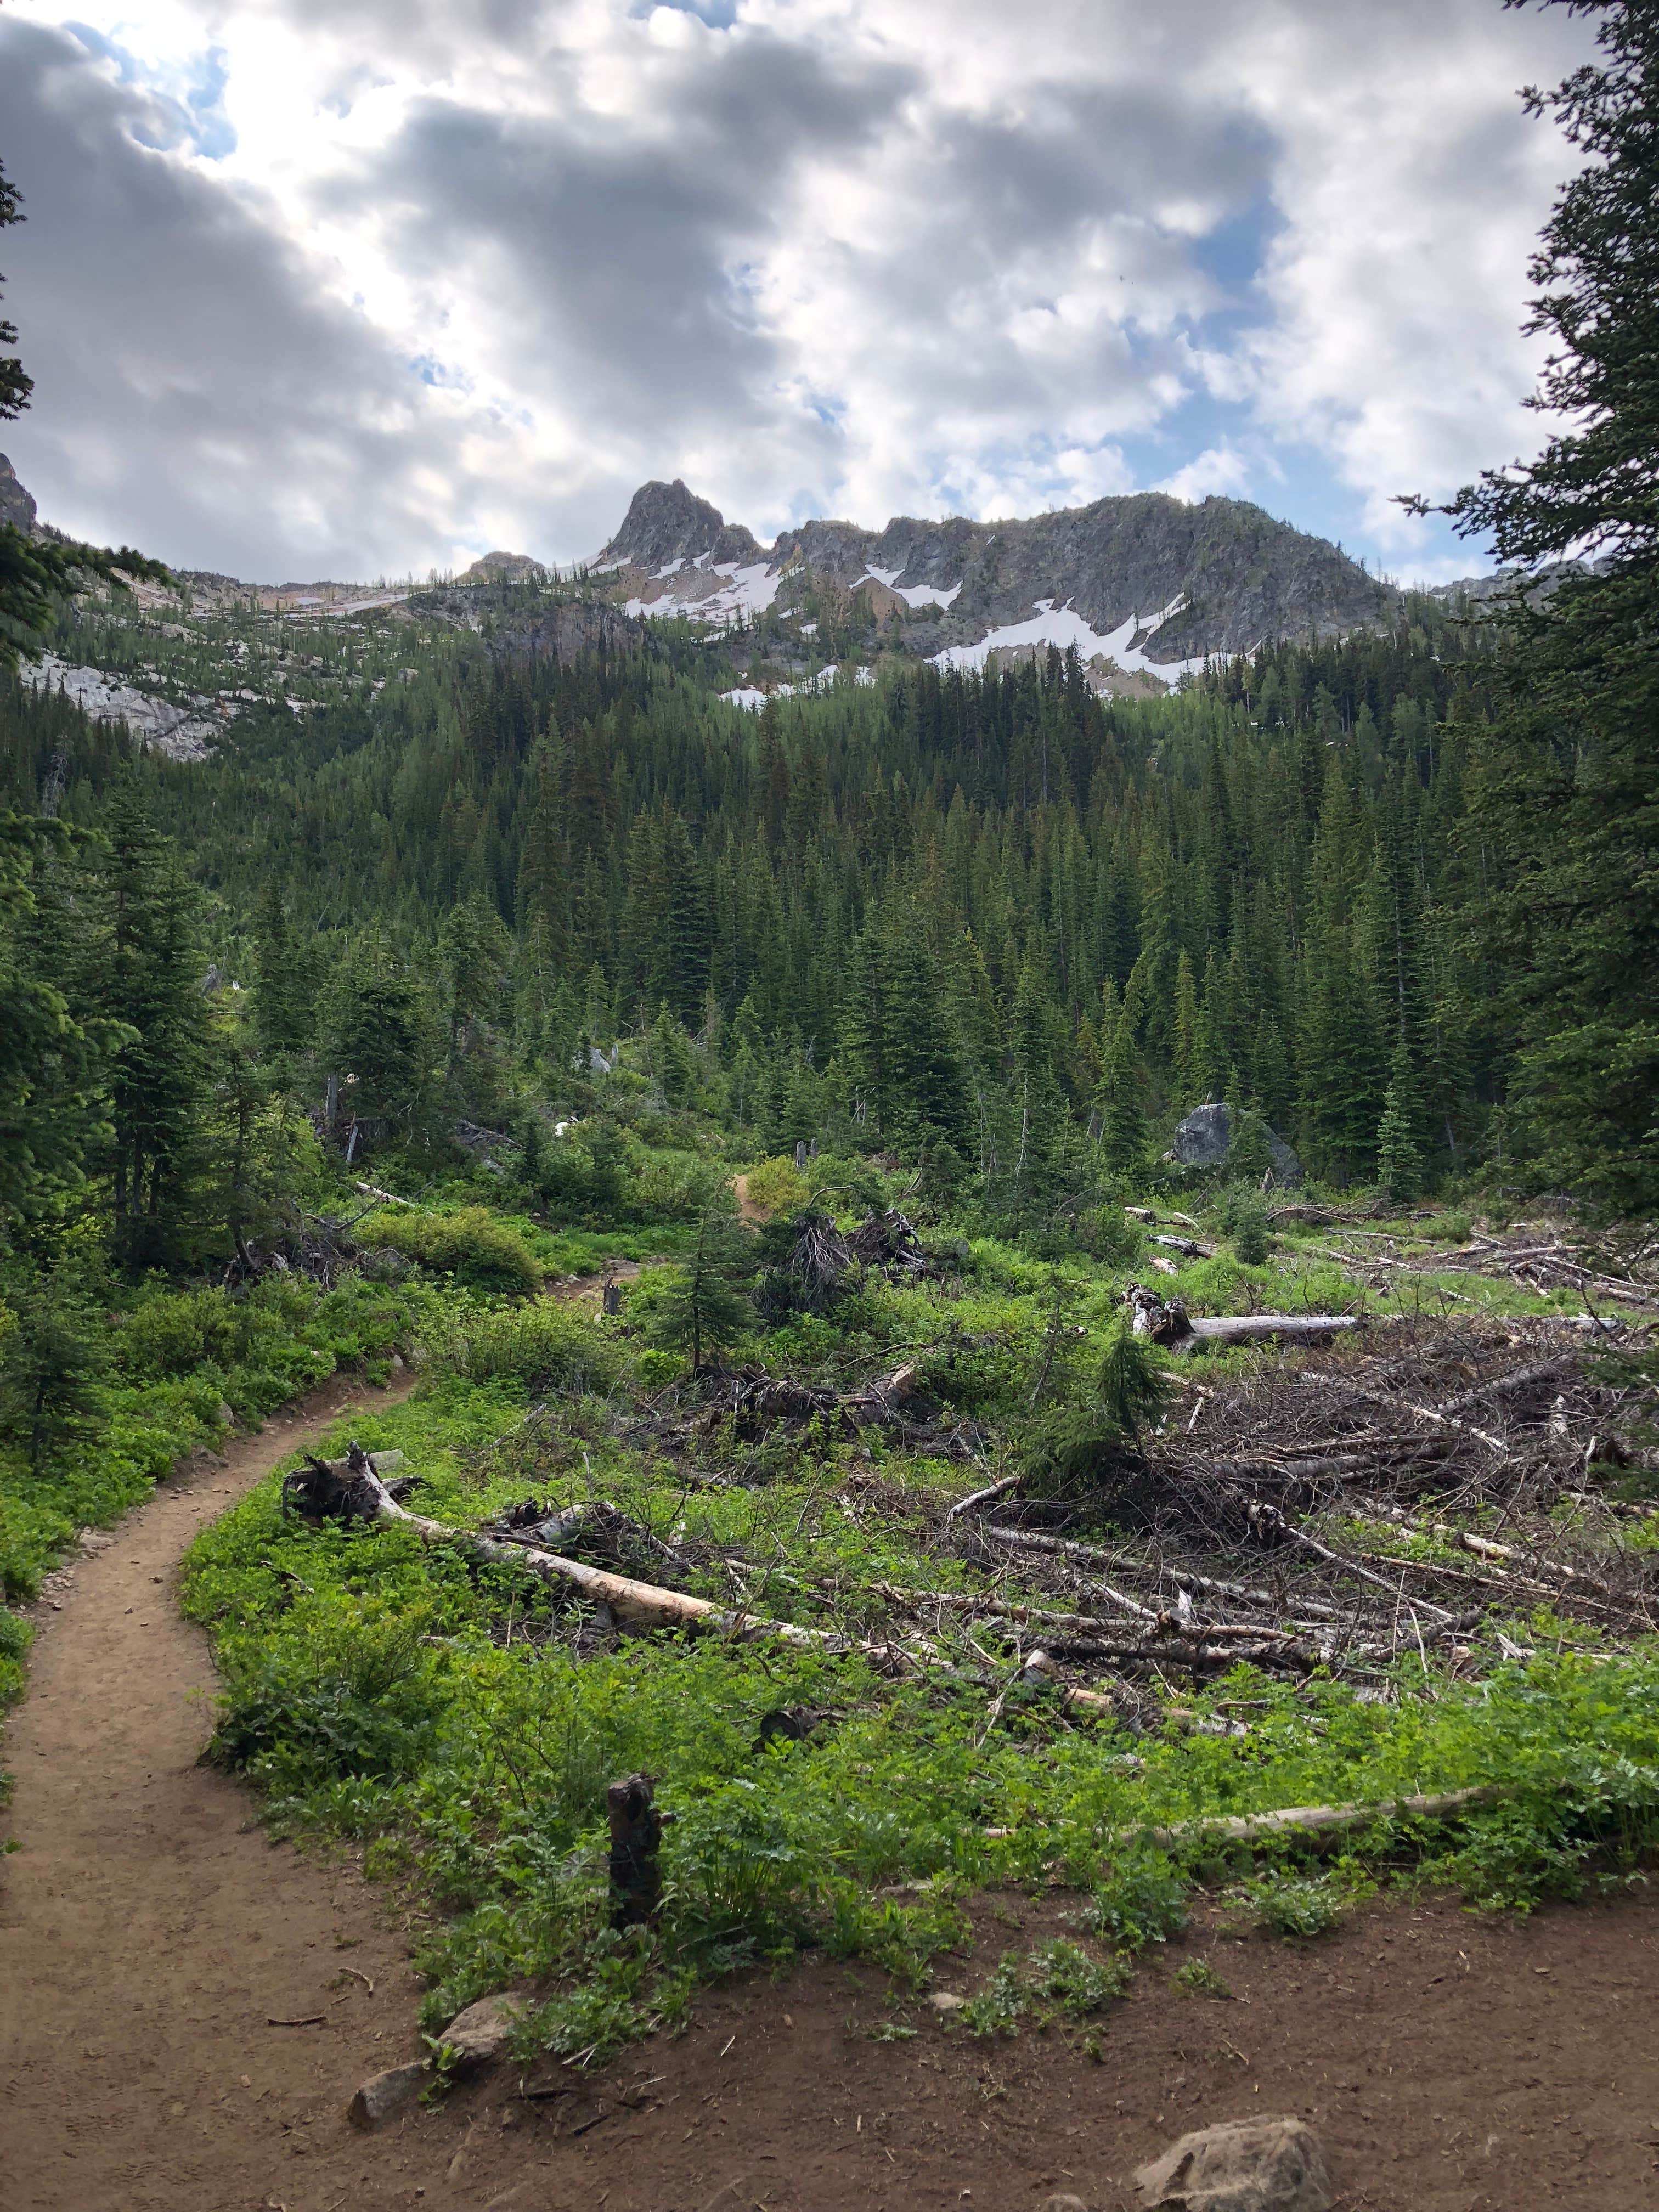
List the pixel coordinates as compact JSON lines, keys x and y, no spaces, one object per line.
{"x":345,"y":288}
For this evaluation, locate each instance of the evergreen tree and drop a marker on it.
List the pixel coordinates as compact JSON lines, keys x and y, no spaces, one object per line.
{"x":284,"y":991}
{"x":52,"y":1051}
{"x":148,"y":979}
{"x":1122,"y":1122}
{"x":1564,"y":785}
{"x":1399,"y":1163}
{"x":51,"y":1360}
{"x":381,"y":1042}
{"x":1189,"y":1046}
{"x":703,"y":1308}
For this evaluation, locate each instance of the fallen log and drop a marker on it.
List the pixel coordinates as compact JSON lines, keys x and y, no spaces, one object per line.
{"x":1064,"y":1548}
{"x":1316,"y":1820}
{"x":984,"y":1497}
{"x":1169,"y":1324}
{"x":643,"y":1605}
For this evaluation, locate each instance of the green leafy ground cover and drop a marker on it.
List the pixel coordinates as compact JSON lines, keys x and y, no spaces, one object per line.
{"x":463,"y":1722}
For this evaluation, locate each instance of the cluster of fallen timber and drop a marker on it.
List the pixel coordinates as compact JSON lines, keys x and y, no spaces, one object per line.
{"x":1622,"y":1271}
{"x":1316,"y":1514}
{"x":1447,"y":1493}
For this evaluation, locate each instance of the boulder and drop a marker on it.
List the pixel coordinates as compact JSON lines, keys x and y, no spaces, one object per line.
{"x":478,"y":2035}
{"x":1203,"y":1138}
{"x":383,"y":2096}
{"x":1243,"y":2165}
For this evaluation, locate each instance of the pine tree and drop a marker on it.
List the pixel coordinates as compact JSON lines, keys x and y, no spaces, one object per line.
{"x":381,"y":1041}
{"x":284,"y":990}
{"x":52,"y":1049}
{"x":703,"y":1308}
{"x":1564,"y":785}
{"x":148,"y":979}
{"x":1122,"y":1122}
{"x":1187,"y":1041}
{"x":1399,"y":1163}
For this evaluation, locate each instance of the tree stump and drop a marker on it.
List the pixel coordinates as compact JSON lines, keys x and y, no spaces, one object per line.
{"x":635,"y":1842}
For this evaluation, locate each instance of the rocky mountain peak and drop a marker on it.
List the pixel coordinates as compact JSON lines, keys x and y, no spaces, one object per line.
{"x":1145,"y":586}
{"x":666,"y":523}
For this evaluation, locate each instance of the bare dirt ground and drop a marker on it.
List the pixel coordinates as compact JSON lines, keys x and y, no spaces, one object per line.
{"x":153,"y":1945}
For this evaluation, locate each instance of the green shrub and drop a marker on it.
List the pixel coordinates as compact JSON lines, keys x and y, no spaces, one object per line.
{"x":1295,"y":1904}
{"x":1142,"y":1900}
{"x":176,"y":1332}
{"x":1199,"y":1978}
{"x":994,"y":2009}
{"x":352,"y":1692}
{"x":548,"y":1345}
{"x":1066,"y":1974}
{"x":776,"y":1187}
{"x":1244,"y":1217}
{"x":469,"y":1244}
{"x":16,"y":1636}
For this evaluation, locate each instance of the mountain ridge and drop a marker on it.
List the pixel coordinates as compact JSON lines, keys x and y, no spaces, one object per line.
{"x":1166,"y":582}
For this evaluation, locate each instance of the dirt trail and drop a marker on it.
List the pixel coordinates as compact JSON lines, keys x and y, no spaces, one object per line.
{"x":149,"y":1938}
{"x":148,"y":1933}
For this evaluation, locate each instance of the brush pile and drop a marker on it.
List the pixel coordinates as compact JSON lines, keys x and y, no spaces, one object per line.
{"x":1318,"y":1514}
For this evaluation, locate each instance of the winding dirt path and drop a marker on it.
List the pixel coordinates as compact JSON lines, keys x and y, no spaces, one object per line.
{"x":148,"y":1933}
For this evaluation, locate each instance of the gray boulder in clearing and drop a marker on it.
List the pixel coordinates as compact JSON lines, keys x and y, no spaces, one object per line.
{"x":1204,"y":1138}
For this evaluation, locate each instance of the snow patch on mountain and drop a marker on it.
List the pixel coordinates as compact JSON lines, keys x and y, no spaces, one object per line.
{"x":751,"y":696}
{"x":914,"y":595}
{"x":749,"y":589}
{"x":1064,"y":627}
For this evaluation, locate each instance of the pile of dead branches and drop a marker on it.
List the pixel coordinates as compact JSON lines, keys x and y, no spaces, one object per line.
{"x":811,"y":1274}
{"x":755,"y":1402}
{"x":1544,"y":1261}
{"x":1267,"y":1522}
{"x":888,"y":1240}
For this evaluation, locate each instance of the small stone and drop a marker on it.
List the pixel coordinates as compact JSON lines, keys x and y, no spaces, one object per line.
{"x":1243,"y":2165}
{"x":227,"y":1418}
{"x":383,"y":2096}
{"x":946,"y":2000}
{"x":395,"y":1363}
{"x":479,"y":2034}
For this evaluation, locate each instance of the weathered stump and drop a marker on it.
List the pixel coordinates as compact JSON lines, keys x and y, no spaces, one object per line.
{"x":636,"y":1845}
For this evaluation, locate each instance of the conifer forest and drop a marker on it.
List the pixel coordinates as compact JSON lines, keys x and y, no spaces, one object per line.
{"x":966,"y":1282}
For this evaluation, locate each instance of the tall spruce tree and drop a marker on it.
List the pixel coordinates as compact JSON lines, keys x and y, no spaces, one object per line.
{"x":149,"y":978}
{"x":1564,"y":785}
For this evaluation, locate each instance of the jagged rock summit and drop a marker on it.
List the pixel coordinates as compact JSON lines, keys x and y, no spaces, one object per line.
{"x":1143,"y":585}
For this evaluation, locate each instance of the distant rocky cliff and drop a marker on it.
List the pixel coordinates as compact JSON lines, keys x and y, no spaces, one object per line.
{"x":1145,"y":581}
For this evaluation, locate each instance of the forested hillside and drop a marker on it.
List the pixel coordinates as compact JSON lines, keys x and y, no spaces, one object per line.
{"x":983,"y":922}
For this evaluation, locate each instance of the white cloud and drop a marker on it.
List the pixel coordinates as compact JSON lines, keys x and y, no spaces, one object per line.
{"x":1220,"y":469}
{"x":354,"y":285}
